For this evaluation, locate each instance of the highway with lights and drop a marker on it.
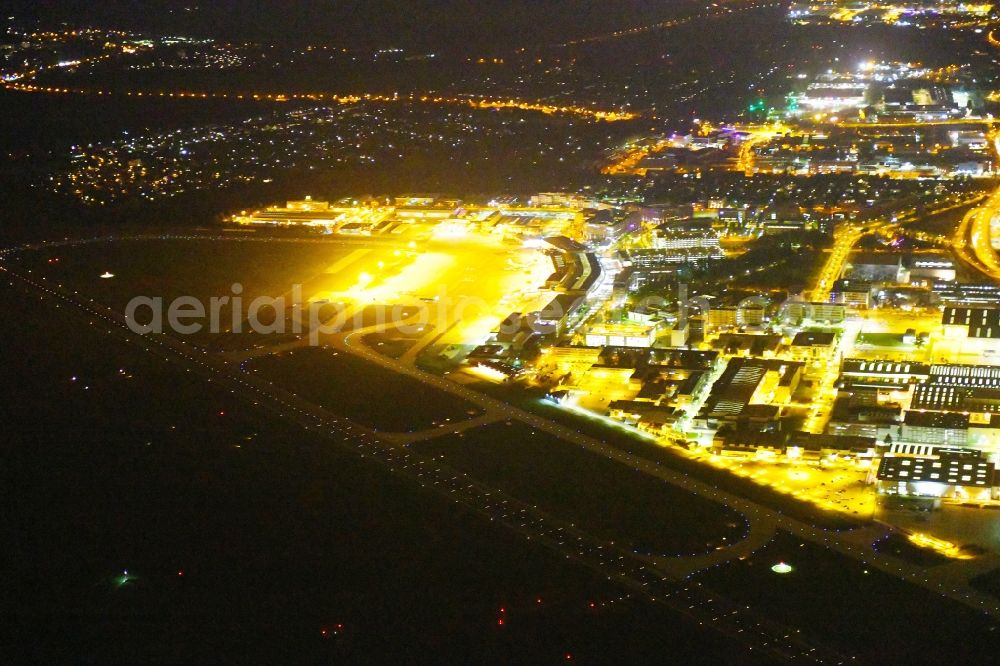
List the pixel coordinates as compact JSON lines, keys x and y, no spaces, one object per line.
{"x":973,"y":240}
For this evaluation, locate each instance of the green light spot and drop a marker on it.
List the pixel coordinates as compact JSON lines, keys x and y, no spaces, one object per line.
{"x":781,"y":568}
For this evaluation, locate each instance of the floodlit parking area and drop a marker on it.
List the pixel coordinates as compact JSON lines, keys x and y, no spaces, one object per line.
{"x":842,"y":488}
{"x":464,"y":287}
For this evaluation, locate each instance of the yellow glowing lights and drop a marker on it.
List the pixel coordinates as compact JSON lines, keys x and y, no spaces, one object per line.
{"x":782,"y":568}
{"x":487,"y":372}
{"x":946,"y":548}
{"x":630,"y":161}
{"x":333,"y":98}
{"x":820,"y":485}
{"x":19,"y":82}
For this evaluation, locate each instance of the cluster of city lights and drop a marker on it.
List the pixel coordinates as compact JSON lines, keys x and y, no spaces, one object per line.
{"x":946,"y":548}
{"x":629,"y":162}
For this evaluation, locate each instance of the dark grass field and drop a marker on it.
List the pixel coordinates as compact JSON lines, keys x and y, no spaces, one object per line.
{"x":600,"y":496}
{"x":366,"y":393}
{"x":898,"y":545}
{"x":394,"y":341}
{"x":201,"y":268}
{"x":856,"y":608}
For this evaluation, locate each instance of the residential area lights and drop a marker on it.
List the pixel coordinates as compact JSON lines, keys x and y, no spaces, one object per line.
{"x":24,"y":81}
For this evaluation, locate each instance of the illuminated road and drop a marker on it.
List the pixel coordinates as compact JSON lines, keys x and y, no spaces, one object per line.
{"x":490,"y":104}
{"x":973,"y":241}
{"x":25,"y":82}
{"x":975,"y":227}
{"x":989,"y":122}
{"x":629,"y":162}
{"x":758,"y":136}
{"x":846,"y":237}
{"x":719,"y":10}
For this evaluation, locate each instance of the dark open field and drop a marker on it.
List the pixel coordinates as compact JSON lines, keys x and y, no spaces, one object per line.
{"x":897,"y":545}
{"x":202,"y":268}
{"x":856,"y":608}
{"x":601,"y":497}
{"x":366,"y":393}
